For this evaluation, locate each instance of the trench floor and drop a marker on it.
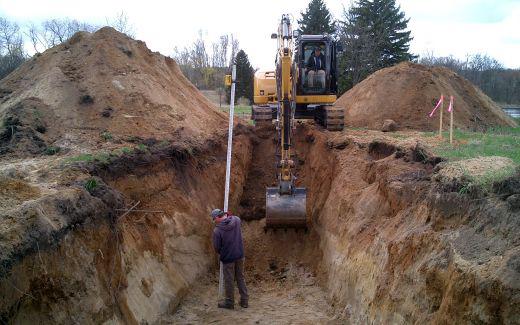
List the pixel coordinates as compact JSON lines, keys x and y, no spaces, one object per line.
{"x":271,"y":302}
{"x":282,"y":271}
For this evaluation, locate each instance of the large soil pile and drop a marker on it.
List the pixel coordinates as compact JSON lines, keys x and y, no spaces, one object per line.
{"x":406,"y":93}
{"x":98,"y":87}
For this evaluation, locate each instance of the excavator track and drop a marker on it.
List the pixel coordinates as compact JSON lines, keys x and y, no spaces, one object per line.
{"x":262,"y":114}
{"x":330,"y":117}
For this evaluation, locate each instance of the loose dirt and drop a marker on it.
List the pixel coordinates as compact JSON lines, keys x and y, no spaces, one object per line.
{"x":407,"y":92}
{"x":388,"y":242}
{"x":272,"y":302}
{"x":100,"y":91}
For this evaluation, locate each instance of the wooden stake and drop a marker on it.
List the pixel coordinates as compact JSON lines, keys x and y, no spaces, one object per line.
{"x":440,"y":119}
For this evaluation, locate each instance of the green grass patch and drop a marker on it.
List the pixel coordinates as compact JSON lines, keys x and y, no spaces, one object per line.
{"x":500,"y":141}
{"x":238,"y":109}
{"x":91,"y":184}
{"x":106,"y":135}
{"x":103,"y":157}
{"x":51,"y":150}
{"x":486,"y":181}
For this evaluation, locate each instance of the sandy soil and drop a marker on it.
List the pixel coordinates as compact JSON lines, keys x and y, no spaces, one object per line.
{"x":293,"y":301}
{"x":407,"y":92}
{"x":100,"y":91}
{"x":283,"y":278}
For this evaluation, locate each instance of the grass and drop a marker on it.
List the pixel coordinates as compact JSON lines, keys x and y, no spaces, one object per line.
{"x":106,"y":157}
{"x":106,"y":135}
{"x":486,"y":181}
{"x":51,"y":150}
{"x":238,"y":109}
{"x":90,"y":184}
{"x":87,"y":157}
{"x":500,"y":141}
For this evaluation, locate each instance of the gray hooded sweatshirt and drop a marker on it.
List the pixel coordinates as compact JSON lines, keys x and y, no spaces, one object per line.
{"x":227,"y":240}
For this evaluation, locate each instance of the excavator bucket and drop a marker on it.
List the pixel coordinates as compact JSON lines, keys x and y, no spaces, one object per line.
{"x":286,"y":210}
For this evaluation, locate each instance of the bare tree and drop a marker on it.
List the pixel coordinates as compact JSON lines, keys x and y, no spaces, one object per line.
{"x":11,"y":42}
{"x":122,"y":24}
{"x":199,"y":56}
{"x":12,"y":53}
{"x":34,"y":35}
{"x":206,"y":70}
{"x":499,"y":83}
{"x":234,"y":49}
{"x":55,"y":31}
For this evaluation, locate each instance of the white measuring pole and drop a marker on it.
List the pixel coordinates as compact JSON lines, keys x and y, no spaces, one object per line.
{"x":230,"y":137}
{"x":228,"y":166}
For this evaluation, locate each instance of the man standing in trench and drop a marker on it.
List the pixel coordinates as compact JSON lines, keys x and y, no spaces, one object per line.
{"x":227,"y":241}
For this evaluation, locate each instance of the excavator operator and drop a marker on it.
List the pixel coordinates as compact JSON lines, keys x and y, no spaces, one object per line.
{"x":316,"y":68}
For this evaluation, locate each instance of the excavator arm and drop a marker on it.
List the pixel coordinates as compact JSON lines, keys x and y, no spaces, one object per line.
{"x":285,"y":204}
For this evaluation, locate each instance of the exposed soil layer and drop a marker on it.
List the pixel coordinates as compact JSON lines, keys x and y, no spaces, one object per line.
{"x":261,"y":174}
{"x":111,"y":162}
{"x":282,"y":267}
{"x":81,"y":255}
{"x":99,"y":90}
{"x":407,"y":92}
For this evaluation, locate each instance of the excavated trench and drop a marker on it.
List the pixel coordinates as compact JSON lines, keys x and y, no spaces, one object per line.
{"x":386,"y":245}
{"x":283,"y":267}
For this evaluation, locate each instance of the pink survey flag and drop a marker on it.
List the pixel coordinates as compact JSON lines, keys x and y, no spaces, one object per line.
{"x":437,"y":106}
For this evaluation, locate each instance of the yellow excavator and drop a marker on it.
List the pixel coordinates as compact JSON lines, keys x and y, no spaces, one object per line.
{"x":295,"y":91}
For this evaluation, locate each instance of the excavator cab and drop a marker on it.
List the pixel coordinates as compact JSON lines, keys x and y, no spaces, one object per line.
{"x":313,"y":82}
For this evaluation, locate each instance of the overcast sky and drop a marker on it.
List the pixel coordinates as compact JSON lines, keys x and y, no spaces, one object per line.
{"x":443,"y":27}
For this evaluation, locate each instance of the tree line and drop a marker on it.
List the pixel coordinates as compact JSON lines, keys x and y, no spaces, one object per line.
{"x":47,"y":34}
{"x":374,"y":35}
{"x":205,"y":65}
{"x":496,"y":81}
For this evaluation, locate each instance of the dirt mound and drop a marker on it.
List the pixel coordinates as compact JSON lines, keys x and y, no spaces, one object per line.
{"x":98,"y":88}
{"x":406,"y":93}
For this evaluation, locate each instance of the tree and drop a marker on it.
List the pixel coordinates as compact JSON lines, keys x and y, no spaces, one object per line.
{"x":244,"y":76}
{"x":206,"y":69}
{"x":12,"y":54}
{"x":316,"y":19}
{"x":499,"y":83}
{"x":122,"y":24}
{"x":234,"y":49}
{"x":374,"y":34}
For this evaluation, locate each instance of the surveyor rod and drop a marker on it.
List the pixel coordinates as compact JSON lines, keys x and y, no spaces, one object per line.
{"x":228,"y":165}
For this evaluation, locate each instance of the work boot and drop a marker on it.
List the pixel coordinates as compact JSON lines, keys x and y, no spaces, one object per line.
{"x":226,"y":305}
{"x":244,"y":304}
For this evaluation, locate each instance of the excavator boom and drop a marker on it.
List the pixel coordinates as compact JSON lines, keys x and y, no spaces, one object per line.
{"x":285,"y":204}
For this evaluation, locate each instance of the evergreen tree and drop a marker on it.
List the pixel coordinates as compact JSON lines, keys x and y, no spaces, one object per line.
{"x":244,"y":77}
{"x":374,"y":35}
{"x":316,"y":19}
